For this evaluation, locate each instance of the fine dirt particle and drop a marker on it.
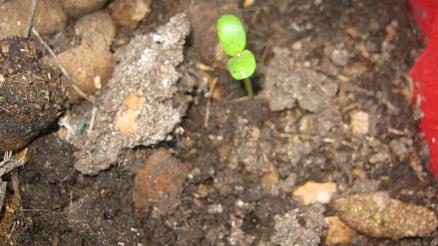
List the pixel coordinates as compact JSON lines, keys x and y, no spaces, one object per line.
{"x":147,"y":68}
{"x":128,"y":13}
{"x":49,"y":17}
{"x":77,"y":8}
{"x":378,"y":215}
{"x":91,"y":63}
{"x":284,"y":86}
{"x":31,"y":96}
{"x":160,"y":182}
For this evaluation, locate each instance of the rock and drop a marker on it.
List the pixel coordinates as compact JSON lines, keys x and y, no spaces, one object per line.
{"x":128,"y":13}
{"x":299,"y":227}
{"x":312,"y":192}
{"x":360,"y":123}
{"x":31,"y":95}
{"x":338,"y":232}
{"x":141,"y":104}
{"x":284,"y":86}
{"x":97,"y":29}
{"x":378,"y":215}
{"x":160,"y":182}
{"x":91,"y":63}
{"x":339,"y":57}
{"x":78,"y":8}
{"x":49,"y":17}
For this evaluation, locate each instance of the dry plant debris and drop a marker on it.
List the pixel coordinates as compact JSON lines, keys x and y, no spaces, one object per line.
{"x":139,"y":105}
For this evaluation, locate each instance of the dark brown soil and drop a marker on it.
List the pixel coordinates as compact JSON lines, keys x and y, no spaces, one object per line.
{"x":223,"y":202}
{"x":30,"y":97}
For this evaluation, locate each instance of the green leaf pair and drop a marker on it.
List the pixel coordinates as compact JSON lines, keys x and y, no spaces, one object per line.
{"x":232,"y":37}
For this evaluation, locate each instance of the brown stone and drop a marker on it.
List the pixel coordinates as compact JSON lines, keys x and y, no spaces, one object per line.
{"x":160,"y":182}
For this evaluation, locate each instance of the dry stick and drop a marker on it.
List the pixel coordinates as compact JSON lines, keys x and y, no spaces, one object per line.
{"x":2,"y":192}
{"x":63,"y":70}
{"x":92,"y":120}
{"x":8,"y":164}
{"x":30,"y":18}
{"x":207,"y":110}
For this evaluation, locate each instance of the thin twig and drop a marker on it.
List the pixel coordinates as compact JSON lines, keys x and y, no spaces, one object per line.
{"x":63,"y":70}
{"x":210,"y":98}
{"x":2,"y":192}
{"x":32,"y":8}
{"x":92,"y":120}
{"x":8,"y":164}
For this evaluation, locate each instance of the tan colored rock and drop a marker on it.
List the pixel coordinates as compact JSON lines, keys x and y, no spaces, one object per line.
{"x":90,"y":68}
{"x":91,"y":63}
{"x":360,"y":123}
{"x":338,"y":232}
{"x":81,"y":7}
{"x":128,"y":13}
{"x":49,"y":17}
{"x":313,"y":192}
{"x":160,"y":182}
{"x":378,"y":215}
{"x":126,"y":120}
{"x":94,"y":26}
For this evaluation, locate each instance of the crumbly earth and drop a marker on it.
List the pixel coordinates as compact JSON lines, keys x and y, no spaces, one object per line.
{"x":138,"y":106}
{"x":245,"y":159}
{"x":31,"y":95}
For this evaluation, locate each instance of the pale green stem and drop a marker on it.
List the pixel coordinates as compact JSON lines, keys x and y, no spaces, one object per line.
{"x":248,"y":87}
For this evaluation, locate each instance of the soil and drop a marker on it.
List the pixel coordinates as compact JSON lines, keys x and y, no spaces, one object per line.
{"x":246,"y":162}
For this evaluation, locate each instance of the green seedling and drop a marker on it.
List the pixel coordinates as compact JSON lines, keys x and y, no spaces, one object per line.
{"x":232,"y":37}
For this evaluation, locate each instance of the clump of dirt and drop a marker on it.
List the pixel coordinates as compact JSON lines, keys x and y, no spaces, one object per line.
{"x":128,"y":13}
{"x":159,"y":182}
{"x":283,"y":87}
{"x":378,"y":215}
{"x":140,"y":105}
{"x":31,"y":96}
{"x":91,"y":63}
{"x":77,"y":8}
{"x":299,"y":227}
{"x":49,"y":17}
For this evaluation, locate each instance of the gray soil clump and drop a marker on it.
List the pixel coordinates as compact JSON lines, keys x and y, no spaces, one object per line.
{"x":138,"y":107}
{"x":299,"y":227}
{"x":285,"y":86}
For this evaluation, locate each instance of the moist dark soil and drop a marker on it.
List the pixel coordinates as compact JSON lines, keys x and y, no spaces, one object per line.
{"x":225,"y":199}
